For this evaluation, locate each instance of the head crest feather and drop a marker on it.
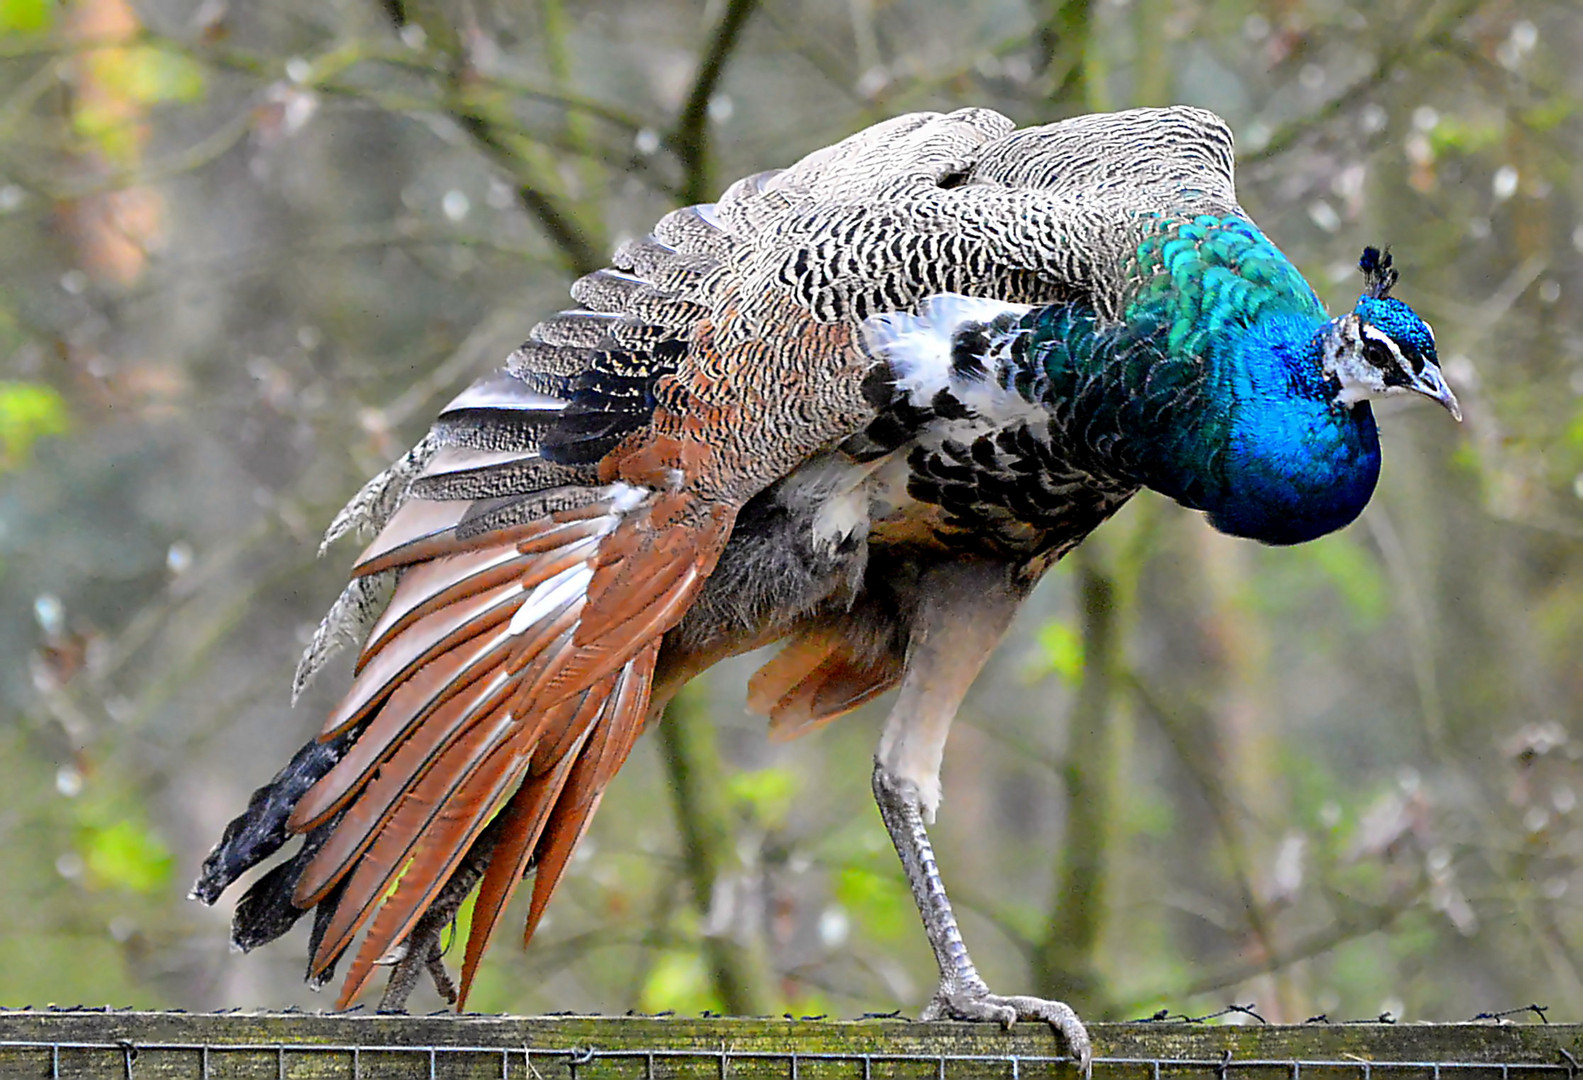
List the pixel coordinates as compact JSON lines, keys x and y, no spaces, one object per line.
{"x":1378,"y":273}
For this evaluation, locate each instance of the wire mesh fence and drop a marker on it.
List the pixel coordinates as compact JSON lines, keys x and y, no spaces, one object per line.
{"x":298,"y":1046}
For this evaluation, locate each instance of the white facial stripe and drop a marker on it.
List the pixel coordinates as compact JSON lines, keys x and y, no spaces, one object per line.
{"x":1372,"y":333}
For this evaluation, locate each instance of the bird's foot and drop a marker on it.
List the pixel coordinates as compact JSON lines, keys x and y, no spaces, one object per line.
{"x":1006,"y":1011}
{"x":422,"y":951}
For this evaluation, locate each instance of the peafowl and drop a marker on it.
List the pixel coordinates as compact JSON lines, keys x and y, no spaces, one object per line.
{"x":857,"y":407}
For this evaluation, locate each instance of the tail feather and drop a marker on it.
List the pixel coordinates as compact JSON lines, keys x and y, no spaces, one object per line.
{"x":424,"y":593}
{"x":383,"y":790}
{"x":420,"y":721}
{"x":318,"y":976}
{"x":448,"y":630}
{"x":266,"y":910}
{"x":624,"y":639}
{"x":788,"y":667}
{"x":346,"y":623}
{"x":415,"y":521}
{"x":260,"y":830}
{"x":428,"y":587}
{"x":430,"y":625}
{"x":434,"y":697}
{"x":522,"y":822}
{"x":404,"y":543}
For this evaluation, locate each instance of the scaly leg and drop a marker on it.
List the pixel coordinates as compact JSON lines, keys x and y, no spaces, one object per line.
{"x":961,"y":611}
{"x":962,"y":994}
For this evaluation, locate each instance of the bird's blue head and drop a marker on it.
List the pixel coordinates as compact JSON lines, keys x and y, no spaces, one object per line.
{"x":1382,"y":347}
{"x":1299,"y":466}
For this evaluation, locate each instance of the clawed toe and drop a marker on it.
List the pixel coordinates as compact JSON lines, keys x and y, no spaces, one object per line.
{"x":421,"y":952}
{"x":444,"y":985}
{"x":1007,"y":1010}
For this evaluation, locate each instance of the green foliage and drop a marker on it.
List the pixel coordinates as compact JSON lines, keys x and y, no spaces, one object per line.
{"x":19,"y":17}
{"x":65,"y":942}
{"x":1360,"y":971}
{"x":768,"y":795}
{"x":1574,"y":431}
{"x":879,"y":903}
{"x":1354,"y":574}
{"x":66,"y":968}
{"x":1149,"y":813}
{"x":1465,"y":136}
{"x":1467,"y":459}
{"x":1313,"y":791}
{"x":126,"y":854}
{"x":1061,"y":648}
{"x":1550,"y":113}
{"x":29,"y":411}
{"x":126,"y":80}
{"x":150,"y":75}
{"x":678,"y":981}
{"x":1293,"y":578}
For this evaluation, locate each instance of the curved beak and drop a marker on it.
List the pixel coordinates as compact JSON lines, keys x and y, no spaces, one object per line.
{"x":1430,"y":383}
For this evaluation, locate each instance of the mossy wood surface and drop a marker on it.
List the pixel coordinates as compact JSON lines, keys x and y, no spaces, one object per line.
{"x":274,"y":1045}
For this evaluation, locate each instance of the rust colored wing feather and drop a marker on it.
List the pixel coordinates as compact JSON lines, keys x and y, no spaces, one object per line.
{"x":509,"y":676}
{"x":552,"y":809}
{"x":648,"y":573}
{"x":521,"y":826}
{"x":434,"y":696}
{"x":422,"y":843}
{"x":429,"y":587}
{"x":447,"y":630}
{"x":796,"y":659}
{"x":618,"y":730}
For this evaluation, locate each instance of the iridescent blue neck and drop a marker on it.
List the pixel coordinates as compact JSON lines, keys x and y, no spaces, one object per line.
{"x":1277,"y":460}
{"x":1241,"y":425}
{"x":1254,"y":437}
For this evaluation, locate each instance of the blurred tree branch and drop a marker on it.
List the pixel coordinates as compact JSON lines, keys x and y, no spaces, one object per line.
{"x":1063,"y":52}
{"x":689,"y":137}
{"x":1238,"y":971}
{"x":738,"y":968}
{"x":1065,"y":959}
{"x":1187,"y":729}
{"x":1388,"y":59}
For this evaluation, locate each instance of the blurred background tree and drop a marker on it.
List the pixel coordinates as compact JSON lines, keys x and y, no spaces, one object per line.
{"x":247,"y":250}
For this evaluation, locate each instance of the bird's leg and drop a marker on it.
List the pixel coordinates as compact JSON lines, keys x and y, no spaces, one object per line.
{"x":423,"y":950}
{"x":963,"y":610}
{"x":962,"y":993}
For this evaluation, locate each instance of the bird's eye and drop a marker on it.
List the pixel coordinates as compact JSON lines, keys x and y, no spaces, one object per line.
{"x":1376,"y":352}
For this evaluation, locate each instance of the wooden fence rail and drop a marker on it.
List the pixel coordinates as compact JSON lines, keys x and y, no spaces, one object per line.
{"x":299,"y":1046}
